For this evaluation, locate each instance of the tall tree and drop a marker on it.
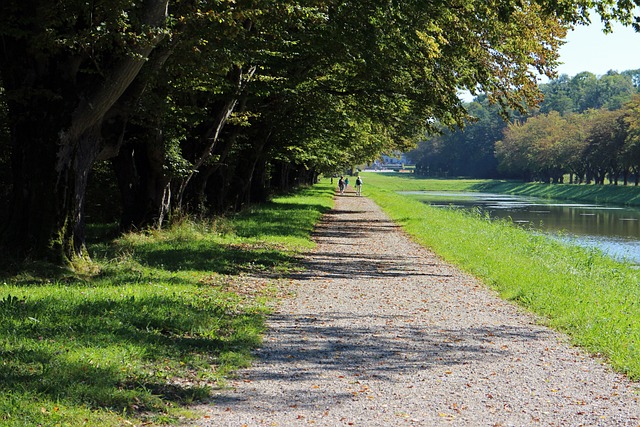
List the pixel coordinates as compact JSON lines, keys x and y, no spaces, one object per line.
{"x":558,"y":96}
{"x":394,"y":69}
{"x":631,"y":150}
{"x":614,"y":89}
{"x":605,"y":138}
{"x":64,"y":65}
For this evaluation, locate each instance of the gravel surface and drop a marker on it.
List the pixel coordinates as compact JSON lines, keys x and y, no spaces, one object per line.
{"x":381,"y":332}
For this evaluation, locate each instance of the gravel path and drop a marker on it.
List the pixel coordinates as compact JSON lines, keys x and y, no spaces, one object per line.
{"x":381,"y":332}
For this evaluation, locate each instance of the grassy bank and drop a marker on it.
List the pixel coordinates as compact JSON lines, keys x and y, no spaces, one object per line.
{"x":169,"y":317}
{"x":591,"y":297}
{"x":606,"y":194}
{"x":409,"y":182}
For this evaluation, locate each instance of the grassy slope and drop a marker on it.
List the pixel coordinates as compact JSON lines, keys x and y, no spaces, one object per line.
{"x":591,"y":297}
{"x":620,"y":195}
{"x":170,"y":316}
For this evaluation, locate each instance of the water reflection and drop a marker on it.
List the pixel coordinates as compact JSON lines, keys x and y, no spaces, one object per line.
{"x":613,"y":229}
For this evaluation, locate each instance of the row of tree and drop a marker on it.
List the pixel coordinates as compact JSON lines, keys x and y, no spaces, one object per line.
{"x":528,"y":145}
{"x":207,"y":105}
{"x":589,"y":147}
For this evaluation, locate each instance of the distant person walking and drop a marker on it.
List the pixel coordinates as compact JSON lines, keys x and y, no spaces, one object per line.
{"x":358,"y":186}
{"x":346,"y":183}
{"x":341,"y":185}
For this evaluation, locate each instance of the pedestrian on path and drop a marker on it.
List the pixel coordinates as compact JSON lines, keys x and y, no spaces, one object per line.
{"x":341,"y":185}
{"x":346,"y":183}
{"x":358,"y":186}
{"x":371,"y":338}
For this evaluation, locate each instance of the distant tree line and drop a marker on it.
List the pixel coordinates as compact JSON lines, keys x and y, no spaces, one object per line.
{"x":585,"y":129}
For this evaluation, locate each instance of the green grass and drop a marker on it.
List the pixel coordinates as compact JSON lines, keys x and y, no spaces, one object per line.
{"x":607,"y":194}
{"x":409,"y":182}
{"x":593,"y":298}
{"x":169,"y":317}
{"x":613,"y":194}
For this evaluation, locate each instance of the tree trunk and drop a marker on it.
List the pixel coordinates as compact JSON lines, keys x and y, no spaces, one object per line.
{"x":55,"y":112}
{"x":245,"y":173}
{"x":38,"y":206}
{"x":241,"y":79}
{"x":219,"y":181}
{"x":143,"y":185}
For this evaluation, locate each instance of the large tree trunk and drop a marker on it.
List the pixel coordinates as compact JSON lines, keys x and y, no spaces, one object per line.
{"x":55,"y":113}
{"x":34,"y":216}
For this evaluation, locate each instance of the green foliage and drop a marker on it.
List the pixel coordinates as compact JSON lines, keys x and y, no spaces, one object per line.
{"x":543,"y":144}
{"x":211,"y":99}
{"x":467,"y":153}
{"x":586,"y":91}
{"x":169,"y":318}
{"x":223,"y":102}
{"x":590,"y":146}
{"x":544,"y":148}
{"x":580,"y":291}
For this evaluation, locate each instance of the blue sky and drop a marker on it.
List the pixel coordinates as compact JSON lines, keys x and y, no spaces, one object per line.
{"x":588,"y":49}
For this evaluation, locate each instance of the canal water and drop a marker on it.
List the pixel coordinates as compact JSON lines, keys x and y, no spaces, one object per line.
{"x":613,"y":229}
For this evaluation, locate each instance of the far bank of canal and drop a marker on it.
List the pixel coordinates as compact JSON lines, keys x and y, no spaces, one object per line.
{"x":613,"y":229}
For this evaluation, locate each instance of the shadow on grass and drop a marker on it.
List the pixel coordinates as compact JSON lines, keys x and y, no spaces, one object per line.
{"x":120,"y":354}
{"x":212,"y":257}
{"x":272,"y":225}
{"x":86,"y":342}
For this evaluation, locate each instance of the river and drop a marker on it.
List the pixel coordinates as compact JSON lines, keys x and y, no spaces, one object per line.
{"x":613,"y":229}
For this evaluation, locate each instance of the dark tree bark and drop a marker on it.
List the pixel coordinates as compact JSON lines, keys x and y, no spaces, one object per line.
{"x":210,"y":187}
{"x":280,"y":176}
{"x":142,"y":182}
{"x":55,"y":113}
{"x":251,"y":157}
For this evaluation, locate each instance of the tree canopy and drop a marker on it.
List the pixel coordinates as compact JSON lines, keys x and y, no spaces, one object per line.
{"x":207,"y":105}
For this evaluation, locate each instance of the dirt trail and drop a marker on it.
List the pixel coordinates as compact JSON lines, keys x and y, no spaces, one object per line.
{"x":381,"y":332}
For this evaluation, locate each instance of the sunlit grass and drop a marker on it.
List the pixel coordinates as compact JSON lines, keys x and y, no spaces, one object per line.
{"x":593,"y":298}
{"x":613,"y":194}
{"x":409,"y":182}
{"x":170,"y":317}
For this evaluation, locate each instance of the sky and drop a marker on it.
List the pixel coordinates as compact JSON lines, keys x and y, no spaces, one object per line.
{"x":589,"y":49}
